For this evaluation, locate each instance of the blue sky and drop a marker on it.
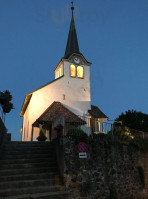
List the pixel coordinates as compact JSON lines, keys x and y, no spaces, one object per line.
{"x":112,"y":35}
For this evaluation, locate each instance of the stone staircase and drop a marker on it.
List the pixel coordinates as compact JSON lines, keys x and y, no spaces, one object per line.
{"x":28,"y":170}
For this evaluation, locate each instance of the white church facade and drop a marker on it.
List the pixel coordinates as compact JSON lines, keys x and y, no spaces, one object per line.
{"x":69,"y":95}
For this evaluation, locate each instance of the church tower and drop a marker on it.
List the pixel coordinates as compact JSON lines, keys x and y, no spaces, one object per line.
{"x":76,"y":72}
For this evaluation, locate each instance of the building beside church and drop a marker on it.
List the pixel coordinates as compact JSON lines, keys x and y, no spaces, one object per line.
{"x":68,"y":97}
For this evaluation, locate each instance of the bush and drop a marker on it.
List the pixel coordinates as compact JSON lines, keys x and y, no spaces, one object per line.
{"x":78,"y":135}
{"x":140,"y":143}
{"x":98,"y":136}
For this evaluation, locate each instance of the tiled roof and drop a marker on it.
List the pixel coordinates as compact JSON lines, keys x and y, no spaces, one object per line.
{"x":95,"y":112}
{"x":56,"y":109}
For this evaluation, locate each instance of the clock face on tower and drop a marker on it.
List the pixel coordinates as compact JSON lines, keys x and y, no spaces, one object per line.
{"x":76,"y":60}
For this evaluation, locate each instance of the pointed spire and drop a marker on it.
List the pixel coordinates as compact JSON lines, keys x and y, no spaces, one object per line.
{"x":72,"y":42}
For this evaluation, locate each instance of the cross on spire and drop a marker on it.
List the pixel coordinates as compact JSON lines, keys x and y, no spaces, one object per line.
{"x":72,"y":42}
{"x":72,"y":7}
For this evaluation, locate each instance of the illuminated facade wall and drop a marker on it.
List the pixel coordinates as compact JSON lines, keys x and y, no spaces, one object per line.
{"x":74,"y":93}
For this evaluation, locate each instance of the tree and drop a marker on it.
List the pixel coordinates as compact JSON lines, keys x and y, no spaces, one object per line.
{"x":134,"y":120}
{"x":5,"y":101}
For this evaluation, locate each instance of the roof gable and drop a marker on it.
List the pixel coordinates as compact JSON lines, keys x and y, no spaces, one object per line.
{"x":56,"y":109}
{"x":95,"y":112}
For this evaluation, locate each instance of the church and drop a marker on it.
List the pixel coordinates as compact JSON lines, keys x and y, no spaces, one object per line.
{"x":65,"y":100}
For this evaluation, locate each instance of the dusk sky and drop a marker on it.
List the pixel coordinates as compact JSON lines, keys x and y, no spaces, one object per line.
{"x":112,"y":35}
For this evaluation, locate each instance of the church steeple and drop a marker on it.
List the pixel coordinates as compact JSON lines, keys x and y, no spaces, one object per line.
{"x":72,"y":42}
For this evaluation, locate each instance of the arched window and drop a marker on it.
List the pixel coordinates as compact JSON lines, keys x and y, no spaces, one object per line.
{"x":73,"y":70}
{"x":80,"y":72}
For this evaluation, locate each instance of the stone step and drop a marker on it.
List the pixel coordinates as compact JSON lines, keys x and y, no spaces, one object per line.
{"x":46,"y":195}
{"x":23,"y":149}
{"x":22,"y":161}
{"x":25,"y":152}
{"x":27,"y":190}
{"x":29,"y":144}
{"x":26,"y":183}
{"x":8,"y":172}
{"x":28,"y":177}
{"x":28,"y":165}
{"x":19,"y":143}
{"x":26,"y":156}
{"x":29,"y":170}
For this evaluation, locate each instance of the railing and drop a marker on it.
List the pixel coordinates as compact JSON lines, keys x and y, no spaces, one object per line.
{"x":108,"y":127}
{"x":88,"y":125}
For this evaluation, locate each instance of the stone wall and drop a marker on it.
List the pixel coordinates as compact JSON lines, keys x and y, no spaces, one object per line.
{"x":3,"y":130}
{"x":111,"y":170}
{"x":4,"y":136}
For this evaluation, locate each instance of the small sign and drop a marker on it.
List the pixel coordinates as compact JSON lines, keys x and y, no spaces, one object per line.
{"x":83,"y":155}
{"x":81,"y":147}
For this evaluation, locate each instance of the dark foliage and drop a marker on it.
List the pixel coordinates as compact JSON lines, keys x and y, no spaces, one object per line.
{"x":134,"y":120}
{"x":140,"y":143}
{"x":5,"y":101}
{"x":78,"y":135}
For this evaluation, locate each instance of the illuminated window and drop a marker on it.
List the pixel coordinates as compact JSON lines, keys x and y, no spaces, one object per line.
{"x":80,"y":72}
{"x":59,"y":72}
{"x":72,"y":71}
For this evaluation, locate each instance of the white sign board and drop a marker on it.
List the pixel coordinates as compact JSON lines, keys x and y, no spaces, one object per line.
{"x":82,"y":155}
